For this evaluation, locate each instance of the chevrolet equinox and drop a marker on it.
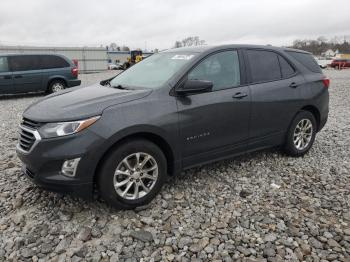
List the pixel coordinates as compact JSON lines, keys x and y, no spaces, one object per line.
{"x":174,"y":110}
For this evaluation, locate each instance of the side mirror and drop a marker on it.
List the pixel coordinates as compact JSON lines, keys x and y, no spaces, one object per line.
{"x":191,"y":87}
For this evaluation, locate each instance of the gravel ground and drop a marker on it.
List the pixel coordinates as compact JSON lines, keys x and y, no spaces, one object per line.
{"x":260,"y":207}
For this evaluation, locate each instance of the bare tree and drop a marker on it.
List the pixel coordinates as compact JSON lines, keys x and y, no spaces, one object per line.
{"x":321,"y":45}
{"x":177,"y":44}
{"x":189,"y":41}
{"x":125,"y":48}
{"x":113,"y":46}
{"x":192,"y":41}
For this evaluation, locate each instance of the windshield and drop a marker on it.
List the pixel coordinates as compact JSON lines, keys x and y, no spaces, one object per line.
{"x":154,"y":71}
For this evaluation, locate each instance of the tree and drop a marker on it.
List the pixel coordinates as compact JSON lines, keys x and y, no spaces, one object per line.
{"x":125,"y":48}
{"x":189,"y":41}
{"x":177,"y":44}
{"x":192,"y":41}
{"x":113,"y":46}
{"x":321,"y":44}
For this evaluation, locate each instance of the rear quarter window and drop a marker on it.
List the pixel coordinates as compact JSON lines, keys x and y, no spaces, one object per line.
{"x":3,"y":64}
{"x":306,"y":60}
{"x":52,"y":61}
{"x":286,"y":69}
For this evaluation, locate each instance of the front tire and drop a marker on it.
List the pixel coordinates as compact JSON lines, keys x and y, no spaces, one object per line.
{"x":132,"y":174}
{"x":301,"y":134}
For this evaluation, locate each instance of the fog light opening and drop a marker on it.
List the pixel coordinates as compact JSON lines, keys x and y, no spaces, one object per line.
{"x":70,"y":166}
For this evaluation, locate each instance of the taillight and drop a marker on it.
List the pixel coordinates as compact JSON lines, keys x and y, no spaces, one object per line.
{"x":75,"y":72}
{"x":75,"y":61}
{"x":326,"y":82}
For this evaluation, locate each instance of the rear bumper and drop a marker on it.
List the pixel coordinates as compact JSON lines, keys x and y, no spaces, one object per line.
{"x":73,"y":82}
{"x":323,"y":122}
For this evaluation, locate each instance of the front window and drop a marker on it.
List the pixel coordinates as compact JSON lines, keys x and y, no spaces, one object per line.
{"x":222,"y":69}
{"x":154,"y":71}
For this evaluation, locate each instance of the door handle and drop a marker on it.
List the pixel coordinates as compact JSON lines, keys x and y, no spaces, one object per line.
{"x":239,"y":95}
{"x":18,"y":76}
{"x":293,"y":85}
{"x":7,"y":77}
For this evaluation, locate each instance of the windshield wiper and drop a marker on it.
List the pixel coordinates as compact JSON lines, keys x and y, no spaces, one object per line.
{"x":121,"y":87}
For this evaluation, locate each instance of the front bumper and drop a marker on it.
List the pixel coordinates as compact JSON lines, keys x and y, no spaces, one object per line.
{"x":43,"y":163}
{"x":73,"y":82}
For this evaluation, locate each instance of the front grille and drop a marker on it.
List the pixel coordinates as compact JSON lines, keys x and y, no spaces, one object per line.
{"x":26,"y":139}
{"x":28,"y":134}
{"x":30,"y":123}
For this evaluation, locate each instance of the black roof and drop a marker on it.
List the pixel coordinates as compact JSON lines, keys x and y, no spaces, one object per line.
{"x":203,"y":48}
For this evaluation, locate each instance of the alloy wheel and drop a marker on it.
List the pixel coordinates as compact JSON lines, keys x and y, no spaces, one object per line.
{"x":57,"y":87}
{"x":135,"y":176}
{"x":303,"y":134}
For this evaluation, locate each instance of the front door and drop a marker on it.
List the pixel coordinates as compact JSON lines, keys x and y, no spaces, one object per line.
{"x":6,"y":82}
{"x":215,"y":124}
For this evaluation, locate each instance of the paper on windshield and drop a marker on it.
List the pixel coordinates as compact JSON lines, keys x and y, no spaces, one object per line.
{"x":182,"y":57}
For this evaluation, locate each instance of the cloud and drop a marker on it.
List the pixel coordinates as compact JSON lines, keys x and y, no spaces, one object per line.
{"x":159,"y":23}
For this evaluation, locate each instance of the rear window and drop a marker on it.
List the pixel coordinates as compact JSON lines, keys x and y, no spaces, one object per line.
{"x":3,"y":65}
{"x":52,"y":61}
{"x":24,"y":63}
{"x":306,"y":60}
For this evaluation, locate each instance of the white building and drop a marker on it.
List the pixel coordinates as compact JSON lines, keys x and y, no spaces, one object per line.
{"x":329,"y":53}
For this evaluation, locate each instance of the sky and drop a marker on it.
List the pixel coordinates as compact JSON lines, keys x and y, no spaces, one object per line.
{"x":158,"y":24}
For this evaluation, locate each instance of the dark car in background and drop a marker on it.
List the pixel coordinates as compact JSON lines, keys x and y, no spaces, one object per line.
{"x":340,"y":63}
{"x":36,"y":73}
{"x":174,"y":110}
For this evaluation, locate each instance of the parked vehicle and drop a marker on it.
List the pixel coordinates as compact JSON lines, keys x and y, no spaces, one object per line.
{"x":172,"y":111}
{"x":135,"y":57}
{"x":340,"y":63}
{"x":36,"y":73}
{"x":323,"y":63}
{"x":116,"y":66}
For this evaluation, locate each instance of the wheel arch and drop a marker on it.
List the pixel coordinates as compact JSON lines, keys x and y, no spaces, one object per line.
{"x":154,"y":138}
{"x":312,"y":109}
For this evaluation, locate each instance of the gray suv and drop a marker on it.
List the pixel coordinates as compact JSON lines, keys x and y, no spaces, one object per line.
{"x":172,"y":111}
{"x":36,"y":73}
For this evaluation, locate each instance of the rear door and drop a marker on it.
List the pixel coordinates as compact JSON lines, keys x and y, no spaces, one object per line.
{"x":54,"y":67}
{"x":27,"y":73}
{"x":275,"y":94}
{"x":6,"y":81}
{"x":215,"y":124}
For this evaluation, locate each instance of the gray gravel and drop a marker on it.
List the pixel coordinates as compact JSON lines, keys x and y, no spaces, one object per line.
{"x":260,"y":207}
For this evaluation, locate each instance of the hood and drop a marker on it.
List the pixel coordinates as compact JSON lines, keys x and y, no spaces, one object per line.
{"x":79,"y":103}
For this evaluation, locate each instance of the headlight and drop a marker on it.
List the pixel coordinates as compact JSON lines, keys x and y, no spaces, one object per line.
{"x":66,"y":128}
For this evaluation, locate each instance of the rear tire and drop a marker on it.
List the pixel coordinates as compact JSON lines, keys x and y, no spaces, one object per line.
{"x":132,"y":174}
{"x":301,"y":134}
{"x":56,"y":86}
